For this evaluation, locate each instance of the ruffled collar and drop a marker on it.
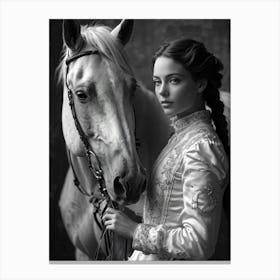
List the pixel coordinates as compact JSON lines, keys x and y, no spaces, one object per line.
{"x":181,"y":123}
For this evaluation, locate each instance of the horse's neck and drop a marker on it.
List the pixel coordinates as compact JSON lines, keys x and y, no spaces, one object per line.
{"x":152,"y":127}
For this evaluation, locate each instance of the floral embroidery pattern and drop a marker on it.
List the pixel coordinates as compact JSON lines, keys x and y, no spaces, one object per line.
{"x":153,"y":204}
{"x":142,"y":239}
{"x":204,"y":200}
{"x":149,"y":239}
{"x":160,"y":183}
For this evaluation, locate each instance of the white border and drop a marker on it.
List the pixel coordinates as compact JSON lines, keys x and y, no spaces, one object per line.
{"x":24,"y":252}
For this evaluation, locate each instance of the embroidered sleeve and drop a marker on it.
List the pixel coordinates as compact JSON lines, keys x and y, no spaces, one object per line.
{"x":205,"y":177}
{"x":204,"y":173}
{"x":146,"y":238}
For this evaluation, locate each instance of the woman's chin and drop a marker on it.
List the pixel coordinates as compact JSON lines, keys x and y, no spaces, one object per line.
{"x":168,"y":112}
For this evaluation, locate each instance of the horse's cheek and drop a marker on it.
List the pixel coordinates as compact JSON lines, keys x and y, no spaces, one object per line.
{"x":70,"y":133}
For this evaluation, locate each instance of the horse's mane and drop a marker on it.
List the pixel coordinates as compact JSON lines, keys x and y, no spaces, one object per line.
{"x":99,"y":37}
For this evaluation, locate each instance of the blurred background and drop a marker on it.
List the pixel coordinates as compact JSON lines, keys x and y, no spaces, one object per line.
{"x":147,"y":36}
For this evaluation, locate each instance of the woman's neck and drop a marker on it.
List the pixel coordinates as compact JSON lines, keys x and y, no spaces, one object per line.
{"x":180,"y":123}
{"x":183,"y":114}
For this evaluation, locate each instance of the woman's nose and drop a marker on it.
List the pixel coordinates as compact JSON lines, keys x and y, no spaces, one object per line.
{"x":163,"y":91}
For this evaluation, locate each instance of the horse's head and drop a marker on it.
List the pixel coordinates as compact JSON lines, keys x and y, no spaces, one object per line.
{"x":102,"y":86}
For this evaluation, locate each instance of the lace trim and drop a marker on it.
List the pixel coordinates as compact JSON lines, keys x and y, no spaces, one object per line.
{"x":188,"y":120}
{"x":144,"y":239}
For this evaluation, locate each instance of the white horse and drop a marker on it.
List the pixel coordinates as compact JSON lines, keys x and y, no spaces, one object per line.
{"x":116,"y":118}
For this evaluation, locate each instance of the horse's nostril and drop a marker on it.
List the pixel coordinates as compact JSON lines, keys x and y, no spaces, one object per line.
{"x":118,"y":187}
{"x":144,"y":186}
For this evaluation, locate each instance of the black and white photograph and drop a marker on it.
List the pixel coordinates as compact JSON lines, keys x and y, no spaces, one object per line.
{"x":140,"y":140}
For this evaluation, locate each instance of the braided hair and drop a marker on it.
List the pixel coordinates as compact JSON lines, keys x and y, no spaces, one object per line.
{"x":202,"y":65}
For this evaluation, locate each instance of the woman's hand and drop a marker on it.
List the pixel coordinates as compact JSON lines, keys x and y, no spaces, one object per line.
{"x":117,"y":221}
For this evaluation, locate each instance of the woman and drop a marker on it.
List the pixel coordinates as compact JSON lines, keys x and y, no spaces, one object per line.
{"x":183,"y":207}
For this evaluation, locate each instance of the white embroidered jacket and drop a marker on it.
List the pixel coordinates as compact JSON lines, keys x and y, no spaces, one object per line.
{"x":183,"y":206}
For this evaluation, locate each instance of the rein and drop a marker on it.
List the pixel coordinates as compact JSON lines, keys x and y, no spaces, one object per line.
{"x":94,"y":166}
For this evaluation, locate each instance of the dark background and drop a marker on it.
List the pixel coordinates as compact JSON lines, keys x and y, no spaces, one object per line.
{"x":146,"y":38}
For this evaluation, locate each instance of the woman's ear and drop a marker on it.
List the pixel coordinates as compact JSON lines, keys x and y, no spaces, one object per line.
{"x":201,"y":85}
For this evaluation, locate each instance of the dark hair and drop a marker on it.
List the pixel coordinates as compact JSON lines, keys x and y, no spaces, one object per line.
{"x":202,"y":65}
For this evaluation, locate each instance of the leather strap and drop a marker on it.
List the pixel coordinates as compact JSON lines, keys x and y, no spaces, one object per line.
{"x":74,"y":57}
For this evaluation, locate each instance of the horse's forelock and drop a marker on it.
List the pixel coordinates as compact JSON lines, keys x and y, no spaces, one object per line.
{"x":100,"y":37}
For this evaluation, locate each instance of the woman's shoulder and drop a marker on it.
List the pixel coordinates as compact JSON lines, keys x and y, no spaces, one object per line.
{"x":204,"y":144}
{"x":204,"y":133}
{"x":204,"y":151}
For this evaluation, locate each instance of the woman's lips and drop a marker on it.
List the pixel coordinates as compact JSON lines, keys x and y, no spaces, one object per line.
{"x":166,"y":104}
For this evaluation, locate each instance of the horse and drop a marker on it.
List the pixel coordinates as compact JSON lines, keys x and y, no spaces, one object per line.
{"x":117,"y":124}
{"x":102,"y":103}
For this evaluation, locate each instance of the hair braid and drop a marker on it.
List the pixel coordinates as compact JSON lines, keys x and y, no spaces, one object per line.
{"x":212,"y":98}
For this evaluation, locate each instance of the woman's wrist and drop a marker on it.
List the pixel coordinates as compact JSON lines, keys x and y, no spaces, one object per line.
{"x":133,"y":229}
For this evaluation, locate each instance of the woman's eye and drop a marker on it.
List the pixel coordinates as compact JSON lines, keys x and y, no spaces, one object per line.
{"x":81,"y":95}
{"x":174,"y":81}
{"x":156,"y":83}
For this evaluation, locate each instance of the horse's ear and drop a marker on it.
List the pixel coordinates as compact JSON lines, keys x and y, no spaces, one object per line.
{"x":72,"y":34}
{"x":123,"y":31}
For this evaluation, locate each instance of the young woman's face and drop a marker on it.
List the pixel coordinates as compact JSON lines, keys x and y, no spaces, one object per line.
{"x":175,"y":88}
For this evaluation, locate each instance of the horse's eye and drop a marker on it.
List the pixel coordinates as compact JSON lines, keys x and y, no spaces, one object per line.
{"x":81,"y":95}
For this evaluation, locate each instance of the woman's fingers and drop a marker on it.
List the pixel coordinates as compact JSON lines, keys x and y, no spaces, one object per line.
{"x":107,"y":223}
{"x":110,"y":214}
{"x":111,"y":218}
{"x":117,"y":221}
{"x":107,"y":216}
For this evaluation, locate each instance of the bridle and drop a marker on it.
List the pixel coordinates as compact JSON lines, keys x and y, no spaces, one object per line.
{"x":93,"y":160}
{"x":93,"y":163}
